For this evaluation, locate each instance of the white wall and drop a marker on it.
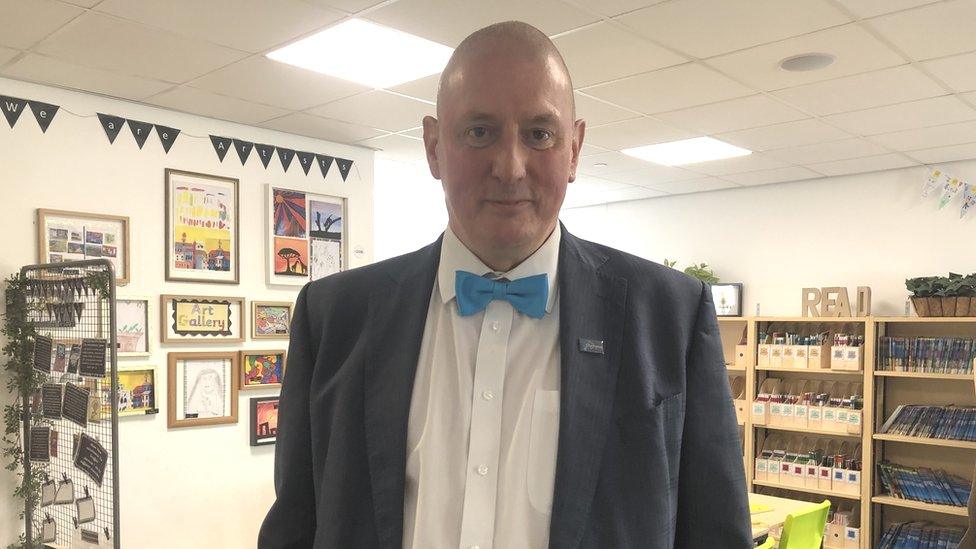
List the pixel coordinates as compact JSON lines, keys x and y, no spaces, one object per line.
{"x":194,"y":487}
{"x":409,"y":208}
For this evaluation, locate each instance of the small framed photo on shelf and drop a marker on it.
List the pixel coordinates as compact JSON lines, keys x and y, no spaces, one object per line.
{"x":202,"y":228}
{"x":132,"y":316}
{"x":727,"y":298}
{"x":75,"y":236}
{"x":137,"y":392}
{"x":201,"y":319}
{"x":270,"y":319}
{"x":264,"y":420}
{"x":262,"y":369}
{"x":202,"y":389}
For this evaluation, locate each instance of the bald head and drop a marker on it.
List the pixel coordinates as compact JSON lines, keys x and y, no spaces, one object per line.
{"x":513,"y":41}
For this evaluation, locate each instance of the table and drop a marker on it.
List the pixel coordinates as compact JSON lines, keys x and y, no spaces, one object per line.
{"x":763,"y":522}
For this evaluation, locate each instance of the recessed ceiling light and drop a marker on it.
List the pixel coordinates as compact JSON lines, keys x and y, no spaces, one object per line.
{"x":686,"y":151}
{"x":366,"y":53}
{"x":807,"y":62}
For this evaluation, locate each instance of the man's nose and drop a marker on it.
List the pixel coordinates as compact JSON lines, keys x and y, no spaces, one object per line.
{"x":510,"y":156}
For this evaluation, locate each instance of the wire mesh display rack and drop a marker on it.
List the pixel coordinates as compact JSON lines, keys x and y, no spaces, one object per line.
{"x":73,"y":422}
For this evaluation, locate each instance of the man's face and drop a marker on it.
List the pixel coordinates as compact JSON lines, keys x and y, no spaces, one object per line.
{"x":505,"y":148}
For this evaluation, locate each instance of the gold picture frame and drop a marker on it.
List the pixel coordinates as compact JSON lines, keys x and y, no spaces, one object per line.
{"x":193,"y":378}
{"x":268,"y":326}
{"x":189,"y":319}
{"x":80,"y":241}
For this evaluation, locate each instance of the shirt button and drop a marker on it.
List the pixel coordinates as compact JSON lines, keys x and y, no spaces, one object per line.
{"x":487,"y":395}
{"x":494,"y":326}
{"x":482,"y":470}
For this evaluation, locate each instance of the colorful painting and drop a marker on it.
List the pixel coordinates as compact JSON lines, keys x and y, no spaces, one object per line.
{"x":202,"y":319}
{"x":262,"y":369}
{"x":201,"y":228}
{"x":76,"y":236}
{"x":270,"y":319}
{"x":264,"y":420}
{"x":132,"y":321}
{"x":289,"y":213}
{"x":137,"y":392}
{"x":325,"y":219}
{"x":202,"y":389}
{"x":291,"y":257}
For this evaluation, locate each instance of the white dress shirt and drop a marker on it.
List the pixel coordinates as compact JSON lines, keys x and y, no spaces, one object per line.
{"x":484,"y":416}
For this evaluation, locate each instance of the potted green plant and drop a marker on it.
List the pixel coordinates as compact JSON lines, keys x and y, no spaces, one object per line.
{"x":953,"y":295}
{"x":921,"y":288}
{"x":699,"y":271}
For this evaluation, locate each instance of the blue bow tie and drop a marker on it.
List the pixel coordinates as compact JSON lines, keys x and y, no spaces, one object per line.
{"x":528,"y":295}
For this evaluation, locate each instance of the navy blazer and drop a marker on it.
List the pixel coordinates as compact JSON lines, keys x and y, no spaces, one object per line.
{"x":648,"y":452}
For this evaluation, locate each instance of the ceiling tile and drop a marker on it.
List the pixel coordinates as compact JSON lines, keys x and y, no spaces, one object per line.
{"x":605,"y":51}
{"x":424,"y":88}
{"x":415,"y":132}
{"x":6,"y":54}
{"x":205,"y":103}
{"x":108,"y":43}
{"x":749,"y":163}
{"x":397,"y":147}
{"x":633,"y":133}
{"x":924,"y":138}
{"x":578,"y":196}
{"x":779,"y":136}
{"x":777,"y":175}
{"x":615,"y":162}
{"x":936,"y":30}
{"x":83,"y":3}
{"x":856,"y":51}
{"x":257,"y":24}
{"x":693,"y":185}
{"x":860,"y":165}
{"x":25,"y":22}
{"x":597,"y":113}
{"x":348,"y":6}
{"x":863,"y":91}
{"x":611,"y":8}
{"x":47,"y":70}
{"x":262,"y":80}
{"x":631,"y":193}
{"x":945,"y":154}
{"x":903,"y":116}
{"x":321,"y":128}
{"x":958,"y":72}
{"x":703,"y":28}
{"x":377,"y":109}
{"x":824,"y":152}
{"x":735,"y":114}
{"x":598,"y":183}
{"x":449,"y":22}
{"x":871,"y":8}
{"x":652,"y":174}
{"x":670,"y":89}
{"x":590,"y":150}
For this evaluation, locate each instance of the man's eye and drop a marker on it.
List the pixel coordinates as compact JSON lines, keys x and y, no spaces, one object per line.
{"x":541,"y":135}
{"x":478,"y":132}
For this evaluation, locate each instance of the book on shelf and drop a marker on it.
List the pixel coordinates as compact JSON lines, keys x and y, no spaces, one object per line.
{"x":942,"y":422}
{"x":923,"y":484}
{"x":923,"y":535}
{"x":943,"y":355}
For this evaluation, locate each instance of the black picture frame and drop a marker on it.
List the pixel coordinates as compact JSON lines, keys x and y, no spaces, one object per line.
{"x":720,"y":296}
{"x":258,"y":438}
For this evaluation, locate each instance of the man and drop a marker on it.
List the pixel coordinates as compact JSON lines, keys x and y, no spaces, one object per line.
{"x":510,"y":385}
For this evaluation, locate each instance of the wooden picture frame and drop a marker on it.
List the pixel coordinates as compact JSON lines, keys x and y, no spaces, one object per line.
{"x":194,"y":244}
{"x":727,"y":298}
{"x":81,"y":240}
{"x":269,"y":326}
{"x":176,"y":326}
{"x":268,"y":419}
{"x":188,"y":390}
{"x":249,"y":359}
{"x":127,"y":329}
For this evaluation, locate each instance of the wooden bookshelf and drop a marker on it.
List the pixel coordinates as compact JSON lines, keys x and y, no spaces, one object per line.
{"x":927,"y":441}
{"x":809,"y":431}
{"x":925,"y":375}
{"x":812,"y":371}
{"x":828,"y":493}
{"x":921,"y":505}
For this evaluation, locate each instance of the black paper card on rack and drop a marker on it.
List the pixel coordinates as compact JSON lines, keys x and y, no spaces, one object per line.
{"x":42,"y":353}
{"x":92,"y":358}
{"x":54,"y":443}
{"x":51,"y":395}
{"x":91,"y":458}
{"x":40,"y":444}
{"x":74,"y":358}
{"x":75,"y":405}
{"x":89,"y":536}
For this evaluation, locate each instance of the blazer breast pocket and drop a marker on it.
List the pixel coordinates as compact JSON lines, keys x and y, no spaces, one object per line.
{"x":543,"y":438}
{"x":654,"y":434}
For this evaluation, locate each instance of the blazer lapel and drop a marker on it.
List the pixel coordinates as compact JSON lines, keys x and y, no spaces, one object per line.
{"x":397,"y":314}
{"x":591,"y":307}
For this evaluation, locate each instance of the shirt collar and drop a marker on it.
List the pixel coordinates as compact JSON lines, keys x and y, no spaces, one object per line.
{"x":455,"y":256}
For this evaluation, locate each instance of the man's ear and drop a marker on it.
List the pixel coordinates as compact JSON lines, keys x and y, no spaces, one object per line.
{"x":430,"y":145}
{"x":579,"y":130}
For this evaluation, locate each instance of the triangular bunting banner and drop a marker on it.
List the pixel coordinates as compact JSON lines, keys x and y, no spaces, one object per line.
{"x":968,"y":199}
{"x":167,"y":136}
{"x":344,"y":167}
{"x":221,"y":145}
{"x":265,"y":153}
{"x":140,"y":131}
{"x":949,"y":191}
{"x":243,"y":149}
{"x":306,"y":160}
{"x":12,"y":108}
{"x":934,"y":181}
{"x":44,"y":113}
{"x":286,"y":156}
{"x":325,"y":162}
{"x":112,"y":125}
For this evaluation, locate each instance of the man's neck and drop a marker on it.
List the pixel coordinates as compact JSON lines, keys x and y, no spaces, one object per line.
{"x":504,"y":259}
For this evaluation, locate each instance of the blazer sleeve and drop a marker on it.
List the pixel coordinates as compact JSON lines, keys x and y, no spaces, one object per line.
{"x":290,"y":524}
{"x":713,"y":505}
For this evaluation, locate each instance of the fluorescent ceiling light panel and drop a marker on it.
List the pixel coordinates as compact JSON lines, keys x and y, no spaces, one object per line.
{"x":366,"y":53}
{"x":686,"y":151}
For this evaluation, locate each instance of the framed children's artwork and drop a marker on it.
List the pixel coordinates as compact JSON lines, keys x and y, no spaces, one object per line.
{"x":306,"y":236}
{"x":270,"y":319}
{"x":137,"y":392}
{"x":264,"y":420}
{"x":132,"y":316}
{"x":727,"y":299}
{"x":202,"y":228}
{"x":262,"y":369}
{"x":202,"y":389}
{"x":201,"y":319}
{"x":74,"y":236}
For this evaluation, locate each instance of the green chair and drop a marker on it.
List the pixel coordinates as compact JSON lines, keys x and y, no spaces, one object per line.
{"x":805,"y":530}
{"x":769,"y":544}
